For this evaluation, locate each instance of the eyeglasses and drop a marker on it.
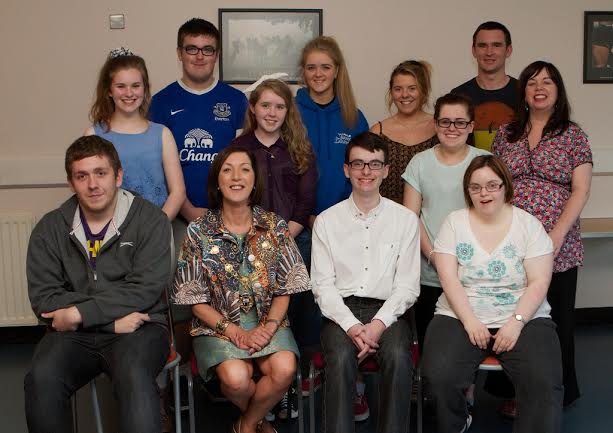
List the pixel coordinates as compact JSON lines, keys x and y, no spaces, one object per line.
{"x":207,"y":50}
{"x":459,"y":124}
{"x":358,"y":164}
{"x":475,"y":188}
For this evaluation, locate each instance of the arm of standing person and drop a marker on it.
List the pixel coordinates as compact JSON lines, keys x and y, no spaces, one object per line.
{"x":580,"y":192}
{"x":173,"y":175}
{"x":306,"y":197}
{"x":412,"y":200}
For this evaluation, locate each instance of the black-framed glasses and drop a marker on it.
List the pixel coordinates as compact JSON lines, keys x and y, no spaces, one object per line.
{"x":358,"y":164}
{"x":207,"y":50}
{"x":458,"y":123}
{"x":475,"y":188}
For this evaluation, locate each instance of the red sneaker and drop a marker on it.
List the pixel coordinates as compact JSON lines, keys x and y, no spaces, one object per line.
{"x":306,"y":385}
{"x":360,"y":408}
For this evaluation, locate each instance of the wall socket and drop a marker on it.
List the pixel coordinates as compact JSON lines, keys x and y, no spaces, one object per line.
{"x":117,"y":21}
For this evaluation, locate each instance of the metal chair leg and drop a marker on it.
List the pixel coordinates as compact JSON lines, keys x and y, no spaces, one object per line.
{"x":299,"y":397}
{"x":96,"y":405}
{"x":311,"y":397}
{"x":175,"y":379}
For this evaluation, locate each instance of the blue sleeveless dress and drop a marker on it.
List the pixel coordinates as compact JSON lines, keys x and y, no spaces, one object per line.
{"x":141,"y":159}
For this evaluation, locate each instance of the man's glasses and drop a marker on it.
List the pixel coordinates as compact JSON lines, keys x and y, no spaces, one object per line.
{"x":207,"y":50}
{"x":475,"y":188}
{"x":459,"y":124}
{"x":358,"y":164}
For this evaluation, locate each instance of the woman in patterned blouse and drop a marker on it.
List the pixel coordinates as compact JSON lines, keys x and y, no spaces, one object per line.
{"x":551,"y":163}
{"x":237,"y":267}
{"x":494,"y":261}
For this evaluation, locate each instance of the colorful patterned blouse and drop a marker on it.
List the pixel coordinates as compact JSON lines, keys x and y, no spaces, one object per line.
{"x":542,"y":181}
{"x":209,"y":261}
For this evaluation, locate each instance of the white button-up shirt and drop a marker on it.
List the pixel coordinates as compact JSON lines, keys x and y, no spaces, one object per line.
{"x":374,"y":255}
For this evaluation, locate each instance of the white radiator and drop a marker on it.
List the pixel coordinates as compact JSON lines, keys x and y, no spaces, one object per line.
{"x":15,"y":229}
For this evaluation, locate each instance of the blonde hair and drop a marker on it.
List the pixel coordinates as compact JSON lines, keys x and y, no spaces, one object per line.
{"x":418,"y":69}
{"x":103,"y":108}
{"x":342,"y":84}
{"x":293,"y":132}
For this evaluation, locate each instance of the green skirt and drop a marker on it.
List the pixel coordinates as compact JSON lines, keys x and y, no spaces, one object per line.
{"x":211,"y":351}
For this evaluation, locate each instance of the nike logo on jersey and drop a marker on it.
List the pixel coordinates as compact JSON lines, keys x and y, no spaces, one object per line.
{"x":173,"y":112}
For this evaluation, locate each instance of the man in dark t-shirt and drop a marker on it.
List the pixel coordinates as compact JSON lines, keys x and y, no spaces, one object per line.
{"x":493,"y":92}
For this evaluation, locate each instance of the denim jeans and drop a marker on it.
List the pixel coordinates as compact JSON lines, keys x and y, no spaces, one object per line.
{"x":395,"y":370}
{"x":65,"y":361}
{"x":534,"y":366}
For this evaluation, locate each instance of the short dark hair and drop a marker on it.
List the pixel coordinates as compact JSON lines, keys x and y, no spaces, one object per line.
{"x":497,"y":167}
{"x":369,"y":141}
{"x":493,"y":25}
{"x":215,"y":196}
{"x":91,"y":145}
{"x":197,"y":27}
{"x":454,"y":99}
{"x":560,"y":118}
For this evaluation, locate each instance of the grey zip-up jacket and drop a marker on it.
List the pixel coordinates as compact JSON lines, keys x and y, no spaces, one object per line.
{"x":132,"y":267}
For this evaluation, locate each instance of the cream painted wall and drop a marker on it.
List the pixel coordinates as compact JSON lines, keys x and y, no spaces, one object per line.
{"x":52,"y":52}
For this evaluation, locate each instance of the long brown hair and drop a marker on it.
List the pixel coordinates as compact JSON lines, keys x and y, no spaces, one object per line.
{"x":103,"y":108}
{"x":342,"y":84}
{"x":293,"y":132}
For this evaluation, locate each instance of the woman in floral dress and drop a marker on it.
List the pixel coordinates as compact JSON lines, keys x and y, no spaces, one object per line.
{"x":550,"y":159}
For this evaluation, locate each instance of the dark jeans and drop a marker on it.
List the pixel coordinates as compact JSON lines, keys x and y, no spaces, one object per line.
{"x":65,"y":361}
{"x":424,"y":310}
{"x":561,"y":297}
{"x":303,"y":313}
{"x":395,"y":369}
{"x":534,"y":366}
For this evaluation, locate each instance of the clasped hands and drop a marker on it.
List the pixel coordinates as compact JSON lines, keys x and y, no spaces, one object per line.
{"x":69,"y":319}
{"x":505,"y":338}
{"x":366,"y":337}
{"x":254,"y":339}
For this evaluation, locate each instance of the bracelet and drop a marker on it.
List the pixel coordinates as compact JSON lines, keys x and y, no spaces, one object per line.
{"x":275,"y":321}
{"x":221,"y":326}
{"x":430,"y":255}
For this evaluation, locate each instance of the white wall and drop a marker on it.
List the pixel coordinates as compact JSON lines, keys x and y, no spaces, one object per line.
{"x":52,"y":52}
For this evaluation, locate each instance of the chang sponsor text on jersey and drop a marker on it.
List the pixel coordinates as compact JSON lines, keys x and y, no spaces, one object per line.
{"x":194,"y":143}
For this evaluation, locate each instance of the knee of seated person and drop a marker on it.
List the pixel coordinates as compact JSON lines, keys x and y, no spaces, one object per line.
{"x":340,"y":355}
{"x":41,"y":378}
{"x":283,"y":367}
{"x":235,"y":378}
{"x":396,"y":356}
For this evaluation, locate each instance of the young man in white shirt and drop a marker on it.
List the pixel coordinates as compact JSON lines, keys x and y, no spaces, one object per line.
{"x":365,"y":275}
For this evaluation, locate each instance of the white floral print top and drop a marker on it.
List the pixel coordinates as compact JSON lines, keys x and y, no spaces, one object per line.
{"x":494,"y":281}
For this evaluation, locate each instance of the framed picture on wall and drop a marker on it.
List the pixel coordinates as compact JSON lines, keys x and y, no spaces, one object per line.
{"x":257,"y":42}
{"x":598,"y":47}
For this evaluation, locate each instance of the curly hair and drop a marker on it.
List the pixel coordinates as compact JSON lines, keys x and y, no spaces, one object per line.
{"x":103,"y":107}
{"x":293,"y":132}
{"x":342,"y":84}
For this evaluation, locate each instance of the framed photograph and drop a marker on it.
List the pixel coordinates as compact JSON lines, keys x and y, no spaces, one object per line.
{"x":258,"y":42}
{"x":598,"y":47}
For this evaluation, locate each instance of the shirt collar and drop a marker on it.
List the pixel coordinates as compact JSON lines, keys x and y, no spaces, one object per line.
{"x":357,"y":213}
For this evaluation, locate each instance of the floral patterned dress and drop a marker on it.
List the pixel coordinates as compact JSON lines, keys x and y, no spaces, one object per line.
{"x":238,"y":277}
{"x":542,"y":181}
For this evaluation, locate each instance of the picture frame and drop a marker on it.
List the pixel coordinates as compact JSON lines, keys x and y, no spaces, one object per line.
{"x":598,"y":47}
{"x":257,"y":42}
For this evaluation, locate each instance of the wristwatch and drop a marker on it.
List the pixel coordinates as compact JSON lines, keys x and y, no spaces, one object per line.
{"x":520,"y":318}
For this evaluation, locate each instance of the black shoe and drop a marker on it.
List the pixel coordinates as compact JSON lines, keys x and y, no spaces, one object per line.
{"x":289,"y":404}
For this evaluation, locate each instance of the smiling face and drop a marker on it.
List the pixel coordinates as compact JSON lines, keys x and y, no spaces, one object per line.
{"x":491,"y":51}
{"x":93,"y":181}
{"x":453,"y":137}
{"x":236,"y":179}
{"x":127,"y":90}
{"x":197,"y":68}
{"x":319,"y":74}
{"x":486,"y":202}
{"x":365,"y":181}
{"x":269,"y":111}
{"x":541,"y":92}
{"x":405,"y":94}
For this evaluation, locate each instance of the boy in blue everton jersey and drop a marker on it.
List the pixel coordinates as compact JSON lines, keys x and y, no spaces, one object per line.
{"x":202,"y":112}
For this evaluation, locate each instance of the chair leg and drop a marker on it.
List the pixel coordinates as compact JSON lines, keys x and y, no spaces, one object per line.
{"x":420,"y":400}
{"x":311,"y":397}
{"x":96,"y":405}
{"x":185,"y":370}
{"x":175,"y":380}
{"x":299,"y":397}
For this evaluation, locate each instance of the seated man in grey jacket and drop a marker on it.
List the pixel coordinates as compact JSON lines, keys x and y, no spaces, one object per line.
{"x":96,"y":269}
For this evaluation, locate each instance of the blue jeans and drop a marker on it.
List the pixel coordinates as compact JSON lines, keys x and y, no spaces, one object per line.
{"x":65,"y":361}
{"x":395,"y":370}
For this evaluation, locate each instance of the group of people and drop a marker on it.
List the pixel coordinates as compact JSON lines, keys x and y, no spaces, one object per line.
{"x":308,"y":218}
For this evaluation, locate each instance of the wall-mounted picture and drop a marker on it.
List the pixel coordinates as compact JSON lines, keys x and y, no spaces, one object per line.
{"x":257,"y":42}
{"x":598,"y":47}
